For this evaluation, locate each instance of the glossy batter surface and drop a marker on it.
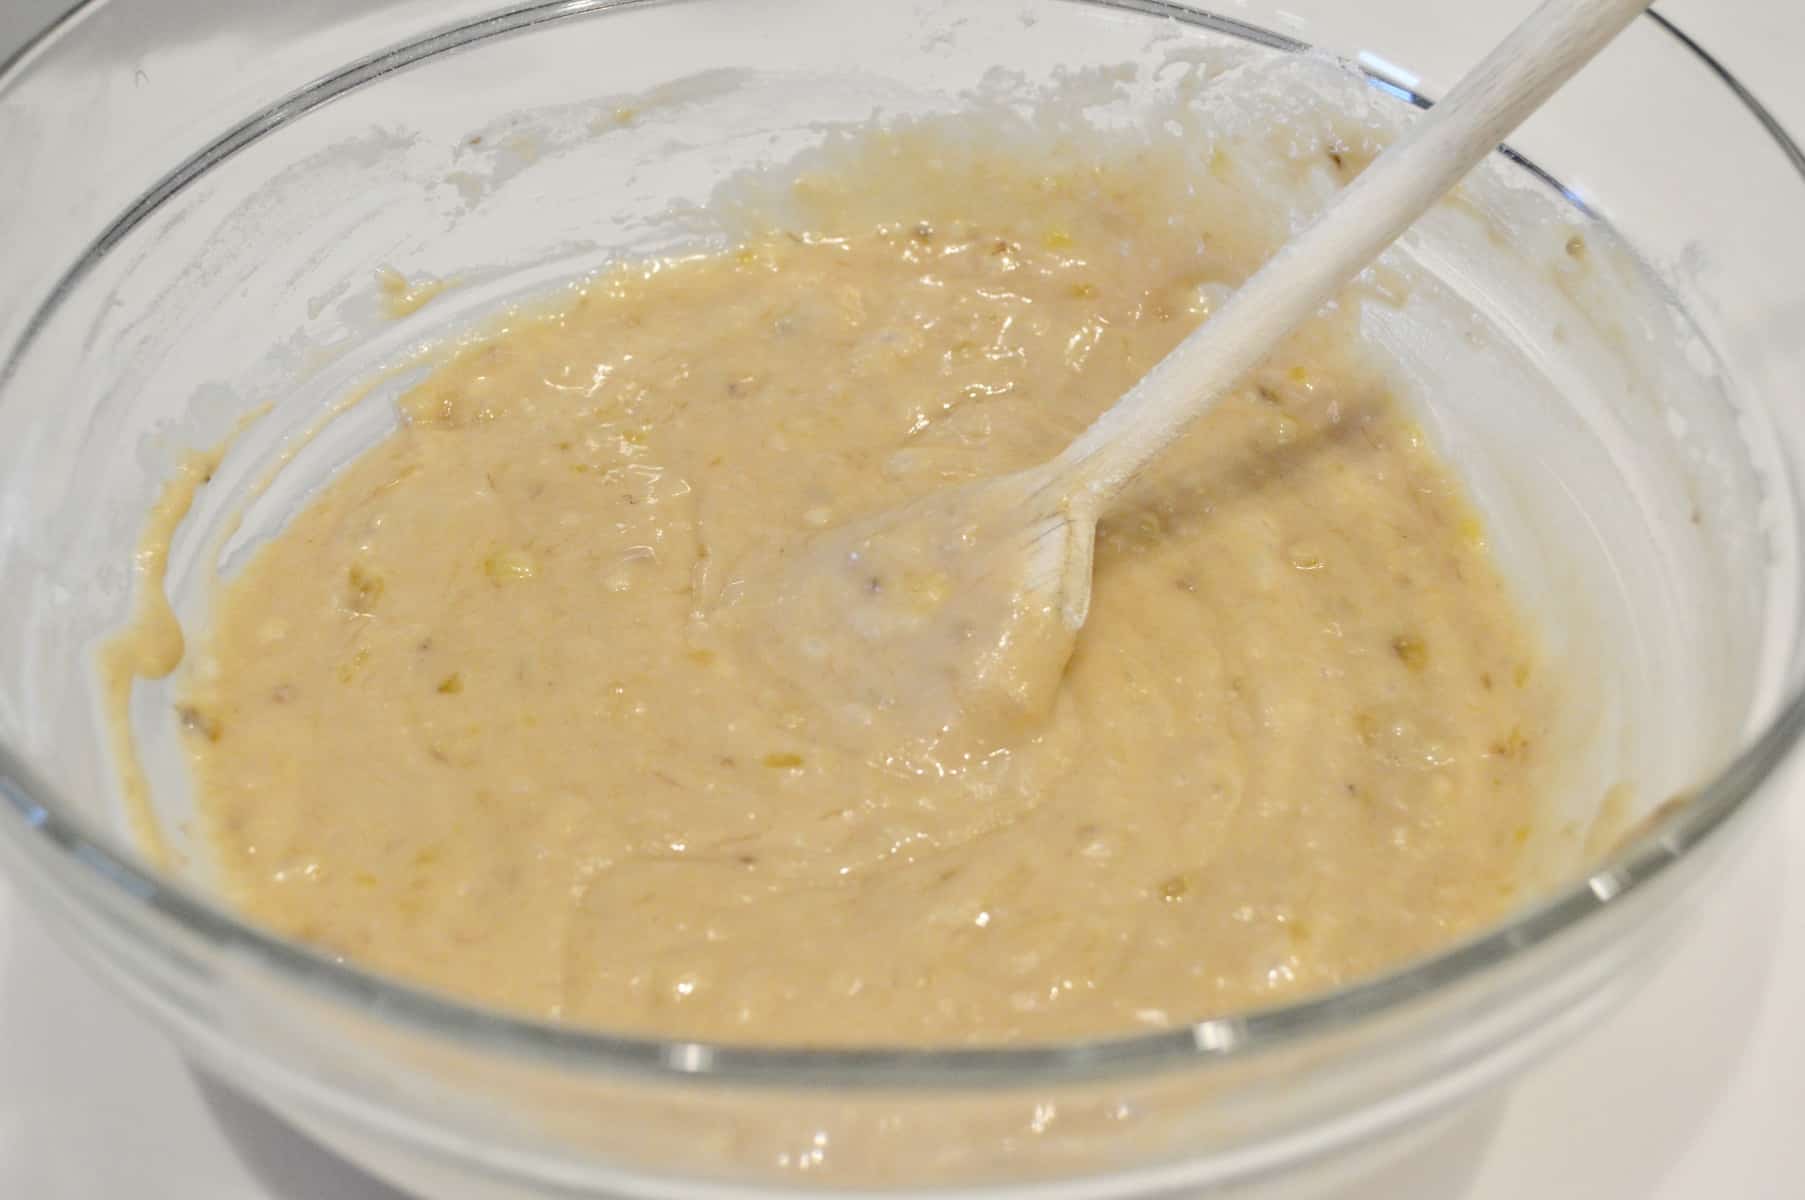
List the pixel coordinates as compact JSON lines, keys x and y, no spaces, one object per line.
{"x":484,"y":715}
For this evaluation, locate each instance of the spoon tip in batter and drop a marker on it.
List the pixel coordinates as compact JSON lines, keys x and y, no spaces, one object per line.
{"x":945,"y":624}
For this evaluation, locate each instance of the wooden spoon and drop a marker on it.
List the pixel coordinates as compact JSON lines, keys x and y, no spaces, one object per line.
{"x":947,"y":623}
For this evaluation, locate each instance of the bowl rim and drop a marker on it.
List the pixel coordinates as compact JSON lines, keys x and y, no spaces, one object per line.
{"x":38,"y":817}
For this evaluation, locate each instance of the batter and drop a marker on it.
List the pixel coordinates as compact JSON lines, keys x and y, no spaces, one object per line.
{"x":485,"y":714}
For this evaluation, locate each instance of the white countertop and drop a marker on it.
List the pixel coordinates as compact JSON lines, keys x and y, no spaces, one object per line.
{"x":1696,"y":1089}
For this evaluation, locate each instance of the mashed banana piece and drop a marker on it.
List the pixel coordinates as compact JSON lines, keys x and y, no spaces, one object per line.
{"x":472,"y":718}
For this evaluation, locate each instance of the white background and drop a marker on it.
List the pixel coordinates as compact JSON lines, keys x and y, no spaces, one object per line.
{"x":1695,"y":1090}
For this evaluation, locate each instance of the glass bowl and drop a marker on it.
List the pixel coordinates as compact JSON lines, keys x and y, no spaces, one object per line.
{"x":196,"y":197}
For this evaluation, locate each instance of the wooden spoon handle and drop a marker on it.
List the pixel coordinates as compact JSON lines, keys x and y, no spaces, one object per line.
{"x":1437,"y":150}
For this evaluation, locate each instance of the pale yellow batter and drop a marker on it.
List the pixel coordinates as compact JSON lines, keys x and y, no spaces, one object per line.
{"x":485,"y":715}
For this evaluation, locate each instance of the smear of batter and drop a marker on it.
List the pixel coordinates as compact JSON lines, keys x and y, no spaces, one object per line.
{"x":487,"y":716}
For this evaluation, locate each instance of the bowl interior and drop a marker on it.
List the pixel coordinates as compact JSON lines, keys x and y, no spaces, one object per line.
{"x":1619,"y":414}
{"x":1593,"y":420}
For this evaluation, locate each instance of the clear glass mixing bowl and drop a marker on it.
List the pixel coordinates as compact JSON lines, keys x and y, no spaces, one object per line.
{"x":195,"y":194}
